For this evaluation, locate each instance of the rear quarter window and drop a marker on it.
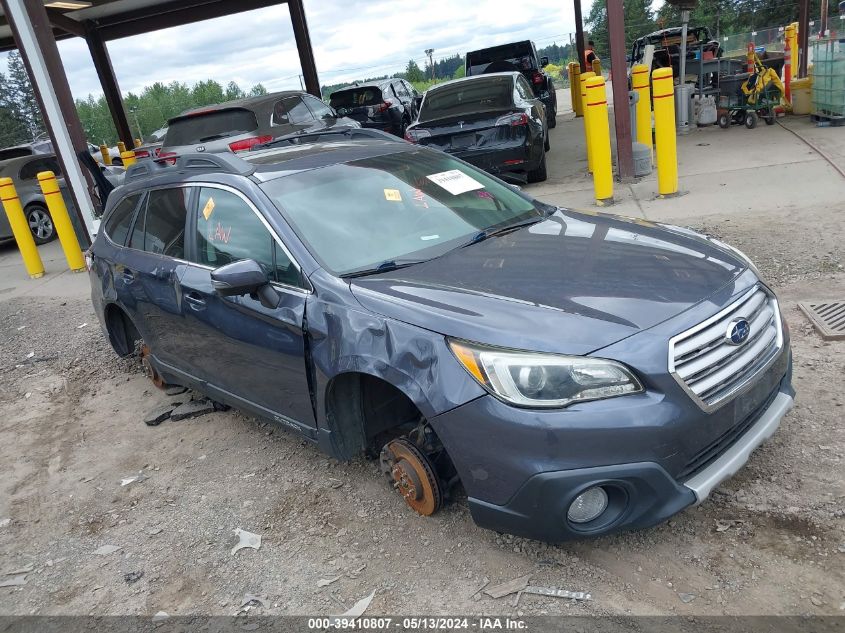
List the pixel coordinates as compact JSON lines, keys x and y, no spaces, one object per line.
{"x":208,"y":126}
{"x":116,"y":225}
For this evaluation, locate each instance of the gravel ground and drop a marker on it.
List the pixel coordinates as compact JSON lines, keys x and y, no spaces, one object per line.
{"x":770,"y":541}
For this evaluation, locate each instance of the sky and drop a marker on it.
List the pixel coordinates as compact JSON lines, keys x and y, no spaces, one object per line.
{"x":351,"y":40}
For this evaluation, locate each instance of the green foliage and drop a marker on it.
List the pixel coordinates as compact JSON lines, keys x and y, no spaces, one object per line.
{"x":413,"y":73}
{"x":460,"y":72}
{"x":639,"y":21}
{"x":20,"y":93}
{"x":739,"y":16}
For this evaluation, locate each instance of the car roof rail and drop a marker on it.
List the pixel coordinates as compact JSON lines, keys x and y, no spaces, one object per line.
{"x":352,"y":133}
{"x":195,"y":162}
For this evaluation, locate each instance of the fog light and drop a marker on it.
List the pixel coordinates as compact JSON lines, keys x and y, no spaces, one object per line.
{"x":588,"y":505}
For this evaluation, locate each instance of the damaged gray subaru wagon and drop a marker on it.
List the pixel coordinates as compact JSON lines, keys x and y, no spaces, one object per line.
{"x":575,"y":373}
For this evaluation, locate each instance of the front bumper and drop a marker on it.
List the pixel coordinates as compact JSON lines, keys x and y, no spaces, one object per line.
{"x":633,"y":446}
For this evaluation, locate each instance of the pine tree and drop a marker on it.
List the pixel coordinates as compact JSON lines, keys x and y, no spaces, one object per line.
{"x":22,"y":95}
{"x":12,"y":129}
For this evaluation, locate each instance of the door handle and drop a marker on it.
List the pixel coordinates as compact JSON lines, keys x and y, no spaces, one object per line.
{"x":194,"y":300}
{"x":128,"y":276}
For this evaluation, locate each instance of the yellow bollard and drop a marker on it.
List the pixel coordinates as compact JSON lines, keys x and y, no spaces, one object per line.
{"x":584,"y":77}
{"x":137,"y":142}
{"x":597,"y":67}
{"x":121,"y":147}
{"x":20,"y":228}
{"x":640,"y":83}
{"x":104,"y":152}
{"x":599,"y":139}
{"x":61,"y":220}
{"x":128,"y":158}
{"x":575,"y":88}
{"x":664,"y":132}
{"x":794,"y":49}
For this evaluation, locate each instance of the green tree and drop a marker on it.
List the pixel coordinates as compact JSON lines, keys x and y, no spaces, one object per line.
{"x":639,"y":21}
{"x":22,"y":95}
{"x":257,"y":90}
{"x":233,"y":91}
{"x":13,"y":129}
{"x":460,"y":72}
{"x":207,"y":92}
{"x":413,"y":73}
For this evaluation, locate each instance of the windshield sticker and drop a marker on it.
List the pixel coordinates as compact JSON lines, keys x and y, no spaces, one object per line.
{"x":455,"y":181}
{"x":208,"y":208}
{"x":392,"y":194}
{"x":484,"y":194}
{"x":220,"y":234}
{"x":419,"y":199}
{"x":426,"y":238}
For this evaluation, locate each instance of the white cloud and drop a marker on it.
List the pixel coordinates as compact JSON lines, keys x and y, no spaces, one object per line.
{"x":351,"y":40}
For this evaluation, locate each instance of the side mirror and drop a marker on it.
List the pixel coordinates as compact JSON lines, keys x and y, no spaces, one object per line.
{"x":544,"y":61}
{"x":244,"y":277}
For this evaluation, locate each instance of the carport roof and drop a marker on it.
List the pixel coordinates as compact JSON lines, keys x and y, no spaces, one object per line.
{"x":115,"y":19}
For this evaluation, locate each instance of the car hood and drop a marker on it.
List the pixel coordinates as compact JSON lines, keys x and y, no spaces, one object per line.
{"x":571,"y":284}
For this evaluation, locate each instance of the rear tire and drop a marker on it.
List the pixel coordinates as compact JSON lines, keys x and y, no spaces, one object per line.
{"x":539,"y":174}
{"x":724,"y":121}
{"x":553,"y":120}
{"x":750,"y":120}
{"x":40,"y":223}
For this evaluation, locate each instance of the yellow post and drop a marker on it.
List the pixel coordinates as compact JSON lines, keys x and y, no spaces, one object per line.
{"x":599,"y":139}
{"x":20,"y":228}
{"x":794,"y":49}
{"x":128,"y":158}
{"x":137,"y":142}
{"x":584,"y":77}
{"x":640,"y":83}
{"x":104,"y":152}
{"x":61,"y":220}
{"x":575,"y":88}
{"x":121,"y":147}
{"x":664,"y":132}
{"x":597,"y":67}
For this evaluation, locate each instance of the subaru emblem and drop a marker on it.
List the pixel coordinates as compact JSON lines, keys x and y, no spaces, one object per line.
{"x":738,"y":331}
{"x":200,"y":148}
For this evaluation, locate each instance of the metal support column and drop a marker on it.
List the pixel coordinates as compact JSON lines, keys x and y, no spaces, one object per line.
{"x":37,"y":45}
{"x":303,"y":46}
{"x":621,"y":112}
{"x":111,"y":90}
{"x":579,"y":36}
{"x":803,"y":36}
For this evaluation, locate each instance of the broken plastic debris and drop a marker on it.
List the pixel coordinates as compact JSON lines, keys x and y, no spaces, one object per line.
{"x":325,"y":582}
{"x":105,"y":550}
{"x":79,"y":327}
{"x":359,"y":607}
{"x":686,"y":598}
{"x":161,"y":615}
{"x":247,"y":539}
{"x":509,"y":587}
{"x":558,"y":593}
{"x":14,"y":581}
{"x":30,"y":355}
{"x":134,"y":479}
{"x":249,"y":598}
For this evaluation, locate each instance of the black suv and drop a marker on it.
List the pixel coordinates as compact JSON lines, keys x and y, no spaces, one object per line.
{"x":520,"y":56}
{"x":388,"y":105}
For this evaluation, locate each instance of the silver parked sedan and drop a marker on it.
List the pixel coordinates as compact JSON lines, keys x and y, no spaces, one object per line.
{"x":24,"y":172}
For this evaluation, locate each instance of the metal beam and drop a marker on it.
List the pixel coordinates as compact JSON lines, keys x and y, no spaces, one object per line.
{"x":303,"y":46}
{"x":621,"y":112}
{"x":579,"y":36}
{"x":34,"y":37}
{"x":803,"y":36}
{"x":175,"y":13}
{"x":66,"y":24}
{"x":108,"y":81}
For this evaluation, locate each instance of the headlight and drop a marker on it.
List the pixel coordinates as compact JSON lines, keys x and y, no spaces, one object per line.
{"x":529,"y":379}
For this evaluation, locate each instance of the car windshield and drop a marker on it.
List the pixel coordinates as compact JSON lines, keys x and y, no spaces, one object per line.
{"x":355,"y":97}
{"x":401,"y":208}
{"x":517,"y":56}
{"x":468,"y":96}
{"x":206,"y":126}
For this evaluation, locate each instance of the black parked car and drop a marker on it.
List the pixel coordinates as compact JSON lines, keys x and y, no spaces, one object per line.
{"x":388,"y":105}
{"x":522,"y":57}
{"x":493,"y":121}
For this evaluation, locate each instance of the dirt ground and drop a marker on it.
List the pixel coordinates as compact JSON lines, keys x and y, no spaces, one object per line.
{"x":770,"y":541}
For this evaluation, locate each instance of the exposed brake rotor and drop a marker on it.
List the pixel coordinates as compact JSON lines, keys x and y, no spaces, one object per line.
{"x":150,"y":371}
{"x":412,"y":475}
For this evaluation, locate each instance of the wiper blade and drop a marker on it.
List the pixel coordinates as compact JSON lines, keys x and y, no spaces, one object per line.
{"x":483,"y":235}
{"x":384,"y":267}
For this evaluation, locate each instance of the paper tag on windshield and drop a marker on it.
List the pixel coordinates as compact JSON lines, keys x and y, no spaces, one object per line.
{"x":208,"y":208}
{"x":393,"y":194}
{"x":455,"y":181}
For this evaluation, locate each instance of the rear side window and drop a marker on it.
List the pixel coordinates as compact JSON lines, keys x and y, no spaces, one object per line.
{"x":319,"y":109}
{"x":160,"y":227}
{"x":228,"y":230}
{"x":117,"y":224}
{"x":291,"y":110}
{"x":355,"y":97}
{"x":465,"y":97}
{"x":208,"y":126}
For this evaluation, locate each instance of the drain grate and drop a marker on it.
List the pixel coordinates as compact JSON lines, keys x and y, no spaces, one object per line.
{"x":828,"y":318}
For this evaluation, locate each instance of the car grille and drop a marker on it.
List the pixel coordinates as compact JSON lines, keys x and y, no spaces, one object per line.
{"x":712,"y":369}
